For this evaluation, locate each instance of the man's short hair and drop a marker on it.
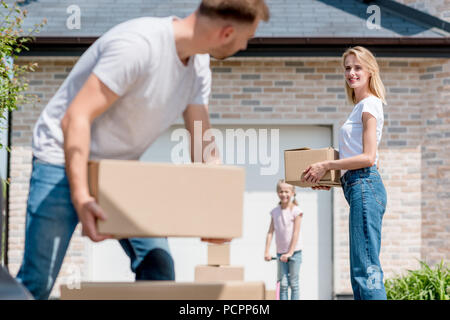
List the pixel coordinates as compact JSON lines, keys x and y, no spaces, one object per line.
{"x":246,"y":11}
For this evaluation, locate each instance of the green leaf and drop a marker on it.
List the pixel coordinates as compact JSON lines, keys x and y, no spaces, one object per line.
{"x":425,"y":283}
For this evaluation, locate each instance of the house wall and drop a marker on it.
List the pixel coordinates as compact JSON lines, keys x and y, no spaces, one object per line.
{"x":414,"y":152}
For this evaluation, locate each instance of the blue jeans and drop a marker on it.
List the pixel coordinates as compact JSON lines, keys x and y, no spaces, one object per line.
{"x":288,"y":273}
{"x":50,"y":222}
{"x":366,"y":195}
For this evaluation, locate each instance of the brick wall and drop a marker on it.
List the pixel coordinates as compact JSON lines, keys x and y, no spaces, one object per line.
{"x":414,"y":163}
{"x":437,"y":8}
{"x":44,"y":83}
{"x":436,"y":161}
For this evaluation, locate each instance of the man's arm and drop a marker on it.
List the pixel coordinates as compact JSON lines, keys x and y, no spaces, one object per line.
{"x":194,"y":113}
{"x":199,"y":113}
{"x":93,"y":99}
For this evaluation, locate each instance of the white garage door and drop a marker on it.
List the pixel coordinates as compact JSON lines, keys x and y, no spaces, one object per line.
{"x":109,"y":263}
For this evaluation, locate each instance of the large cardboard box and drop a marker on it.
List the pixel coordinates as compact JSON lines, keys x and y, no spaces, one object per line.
{"x":298,"y":160}
{"x":219,"y":254}
{"x":271,"y":294}
{"x":143,"y":199}
{"x":165,"y":290}
{"x":218,"y":273}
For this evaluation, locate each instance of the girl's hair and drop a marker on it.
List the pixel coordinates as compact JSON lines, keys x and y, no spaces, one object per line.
{"x":367,"y":59}
{"x":280,"y":182}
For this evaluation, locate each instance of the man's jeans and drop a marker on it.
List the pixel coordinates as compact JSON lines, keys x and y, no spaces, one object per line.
{"x":50,"y":222}
{"x":366,"y":195}
{"x":288,"y":273}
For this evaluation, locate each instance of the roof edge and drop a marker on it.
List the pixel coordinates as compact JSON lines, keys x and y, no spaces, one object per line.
{"x":276,"y":47}
{"x":280,"y":41}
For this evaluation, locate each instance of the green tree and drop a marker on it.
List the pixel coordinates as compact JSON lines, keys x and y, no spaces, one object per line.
{"x":13,"y":39}
{"x":13,"y":81}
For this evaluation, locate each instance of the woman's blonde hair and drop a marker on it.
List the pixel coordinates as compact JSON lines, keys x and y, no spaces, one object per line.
{"x":368,"y":61}
{"x":282,"y":181}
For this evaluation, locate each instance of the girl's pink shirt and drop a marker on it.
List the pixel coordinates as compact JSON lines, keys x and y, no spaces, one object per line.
{"x":283,"y":222}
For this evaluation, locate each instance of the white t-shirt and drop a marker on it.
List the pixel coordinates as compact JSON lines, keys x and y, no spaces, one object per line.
{"x":138,"y":61}
{"x":283,"y":221}
{"x":351,"y":133}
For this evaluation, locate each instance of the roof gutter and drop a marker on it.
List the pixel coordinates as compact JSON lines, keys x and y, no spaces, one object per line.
{"x":275,"y":40}
{"x":278,"y":46}
{"x":333,"y":47}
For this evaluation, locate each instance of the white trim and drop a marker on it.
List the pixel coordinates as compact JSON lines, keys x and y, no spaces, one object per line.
{"x":282,"y":122}
{"x":3,"y":151}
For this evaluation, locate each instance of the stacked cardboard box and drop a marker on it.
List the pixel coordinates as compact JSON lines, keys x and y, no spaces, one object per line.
{"x":218,"y":268}
{"x":143,"y":199}
{"x":138,"y":199}
{"x":165,"y":290}
{"x":271,"y":295}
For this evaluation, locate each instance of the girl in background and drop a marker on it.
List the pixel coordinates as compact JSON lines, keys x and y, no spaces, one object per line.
{"x":285,"y":221}
{"x":362,"y":185}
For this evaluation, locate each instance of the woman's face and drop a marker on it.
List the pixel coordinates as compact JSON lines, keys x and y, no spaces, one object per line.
{"x":356,"y":75}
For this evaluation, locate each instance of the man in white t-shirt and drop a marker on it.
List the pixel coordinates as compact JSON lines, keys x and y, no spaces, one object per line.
{"x":124,"y":91}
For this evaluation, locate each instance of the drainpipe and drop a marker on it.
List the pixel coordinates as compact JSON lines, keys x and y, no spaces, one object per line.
{"x":5,"y":138}
{"x":4,"y":165}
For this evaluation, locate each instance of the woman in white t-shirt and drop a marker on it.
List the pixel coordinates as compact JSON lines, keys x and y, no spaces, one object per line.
{"x":362,"y":185}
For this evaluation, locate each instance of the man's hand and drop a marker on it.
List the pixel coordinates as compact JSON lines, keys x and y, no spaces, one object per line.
{"x":215,"y":241}
{"x":88,"y":212}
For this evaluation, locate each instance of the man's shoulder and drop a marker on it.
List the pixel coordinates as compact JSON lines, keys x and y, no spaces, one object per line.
{"x":144,"y":29}
{"x":202,"y":61}
{"x":145,"y":37}
{"x":139,"y":24}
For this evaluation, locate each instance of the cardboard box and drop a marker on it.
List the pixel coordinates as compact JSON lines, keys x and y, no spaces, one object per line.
{"x":271,"y":294}
{"x":298,"y":160}
{"x":143,"y":199}
{"x":218,"y":273}
{"x":165,"y":290}
{"x":218,"y":254}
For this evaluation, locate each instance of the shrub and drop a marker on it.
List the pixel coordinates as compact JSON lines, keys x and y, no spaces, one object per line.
{"x":13,"y":83}
{"x":422,"y":284}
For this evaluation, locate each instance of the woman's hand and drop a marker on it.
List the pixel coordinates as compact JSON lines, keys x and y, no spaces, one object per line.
{"x":315,"y":172}
{"x":267,"y":257}
{"x":285,"y":257}
{"x":321,"y":188}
